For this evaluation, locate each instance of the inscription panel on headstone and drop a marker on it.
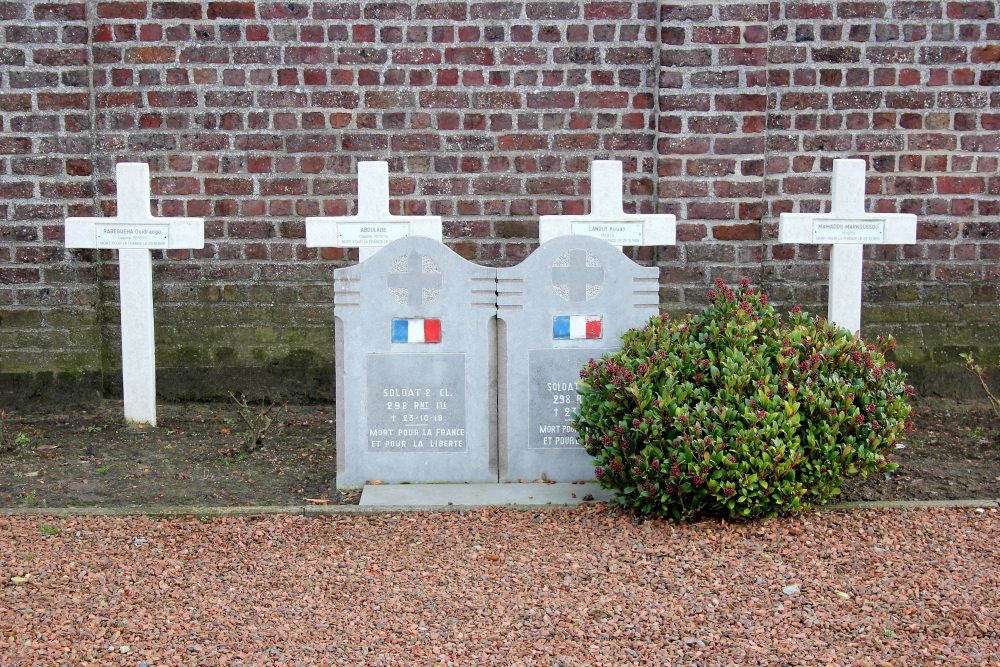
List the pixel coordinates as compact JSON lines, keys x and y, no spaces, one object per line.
{"x":553,"y":397}
{"x":848,"y":231}
{"x":416,"y":403}
{"x":370,"y":234}
{"x":131,"y":236}
{"x":616,"y":233}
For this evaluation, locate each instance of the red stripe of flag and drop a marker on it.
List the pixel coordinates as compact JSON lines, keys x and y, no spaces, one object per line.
{"x":432,"y":331}
{"x":593,"y":328}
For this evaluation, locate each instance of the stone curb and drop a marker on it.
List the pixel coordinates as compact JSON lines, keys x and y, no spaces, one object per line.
{"x":195,"y":511}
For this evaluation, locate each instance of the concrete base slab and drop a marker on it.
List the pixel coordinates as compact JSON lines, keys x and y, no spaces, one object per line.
{"x":482,"y":495}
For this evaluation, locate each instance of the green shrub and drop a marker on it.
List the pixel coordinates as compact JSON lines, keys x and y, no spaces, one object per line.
{"x":738,"y":412}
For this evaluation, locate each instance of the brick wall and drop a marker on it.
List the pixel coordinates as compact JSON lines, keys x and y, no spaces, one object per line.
{"x":253,"y":115}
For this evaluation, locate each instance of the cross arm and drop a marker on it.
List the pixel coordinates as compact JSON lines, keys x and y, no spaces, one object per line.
{"x":796,"y":227}
{"x":900,"y":228}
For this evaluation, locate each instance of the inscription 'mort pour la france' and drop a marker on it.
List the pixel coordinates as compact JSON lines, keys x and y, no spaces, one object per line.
{"x":416,"y":402}
{"x":553,"y":397}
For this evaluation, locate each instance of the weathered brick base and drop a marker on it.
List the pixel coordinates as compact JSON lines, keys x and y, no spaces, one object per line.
{"x":254,"y":115}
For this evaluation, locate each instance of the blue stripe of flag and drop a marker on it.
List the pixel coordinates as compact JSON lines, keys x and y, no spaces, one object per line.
{"x":400,"y":331}
{"x":560,"y":327}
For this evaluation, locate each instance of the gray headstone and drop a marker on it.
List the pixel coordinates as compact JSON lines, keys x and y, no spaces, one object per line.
{"x":568,"y":302}
{"x":416,"y":367}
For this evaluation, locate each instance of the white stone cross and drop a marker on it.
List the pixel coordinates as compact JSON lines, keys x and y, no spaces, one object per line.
{"x":374,"y":226}
{"x":134,"y":232}
{"x":848,"y":227}
{"x":607,"y":219}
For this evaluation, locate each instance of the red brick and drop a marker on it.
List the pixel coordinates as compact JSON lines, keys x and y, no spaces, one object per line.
{"x":982,"y":9}
{"x":683,"y":145}
{"x":177,"y":98}
{"x":522,"y":142}
{"x":15,"y":102}
{"x":710,"y":211}
{"x":552,"y":10}
{"x":808,"y":9}
{"x":958,"y":185}
{"x":387,"y":11}
{"x":441,"y":11}
{"x":497,"y":100}
{"x":151,"y":54}
{"x":326,"y":11}
{"x":443,"y":100}
{"x":271,"y":11}
{"x":717,"y":35}
{"x":118,"y":99}
{"x":62,"y":101}
{"x":744,"y":56}
{"x":909,"y":100}
{"x":232,"y":10}
{"x":121,"y":10}
{"x":552,"y":100}
{"x":986,"y":54}
{"x":575,"y":142}
{"x":960,"y":100}
{"x":852,"y":10}
{"x":629,"y":56}
{"x":60,"y":57}
{"x":920,"y":9}
{"x":416,"y":56}
{"x":685,"y":11}
{"x":745,"y":102}
{"x":64,"y":11}
{"x":19,"y":276}
{"x":469,"y":56}
{"x":686,"y":57}
{"x":595,"y":11}
{"x":594,"y":100}
{"x":177,"y":10}
{"x":738,"y":232}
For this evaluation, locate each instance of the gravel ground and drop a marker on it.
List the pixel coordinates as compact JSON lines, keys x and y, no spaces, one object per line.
{"x":588,"y":586}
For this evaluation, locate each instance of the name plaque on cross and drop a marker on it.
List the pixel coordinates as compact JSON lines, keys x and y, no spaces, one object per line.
{"x":134,"y":232}
{"x":368,"y":235}
{"x":374,"y":226}
{"x":615,"y":233}
{"x":152,"y":237}
{"x":849,"y":231}
{"x":607,"y":219}
{"x":847,"y":227}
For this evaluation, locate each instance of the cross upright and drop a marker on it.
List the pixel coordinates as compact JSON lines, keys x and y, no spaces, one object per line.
{"x":577,"y":276}
{"x":607,"y":219}
{"x":848,"y":227}
{"x":134,"y":232}
{"x":414,"y":281}
{"x":374,"y":226}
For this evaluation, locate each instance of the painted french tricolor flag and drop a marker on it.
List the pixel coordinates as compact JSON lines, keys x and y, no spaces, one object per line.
{"x":416,"y":331}
{"x":576,"y":327}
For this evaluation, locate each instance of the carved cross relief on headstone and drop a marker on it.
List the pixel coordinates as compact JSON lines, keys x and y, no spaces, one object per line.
{"x":607,"y":219}
{"x":848,"y":227}
{"x":415,"y":280}
{"x":134,"y":232}
{"x":577,"y":275}
{"x":374,"y":226}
